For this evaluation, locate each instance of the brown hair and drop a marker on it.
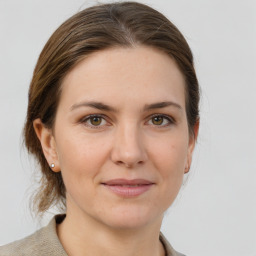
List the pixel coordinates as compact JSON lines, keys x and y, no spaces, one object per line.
{"x":97,"y":28}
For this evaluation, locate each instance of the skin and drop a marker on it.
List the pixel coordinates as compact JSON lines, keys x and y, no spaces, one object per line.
{"x":127,"y":142}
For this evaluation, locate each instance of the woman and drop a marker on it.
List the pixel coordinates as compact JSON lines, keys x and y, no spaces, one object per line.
{"x":113,"y":120}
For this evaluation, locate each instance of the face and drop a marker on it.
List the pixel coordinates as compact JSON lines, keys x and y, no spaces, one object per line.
{"x":121,"y":138}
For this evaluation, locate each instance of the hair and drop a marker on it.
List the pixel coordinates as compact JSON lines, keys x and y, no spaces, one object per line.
{"x":125,"y":24}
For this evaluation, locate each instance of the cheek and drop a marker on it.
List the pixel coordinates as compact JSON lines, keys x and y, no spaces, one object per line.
{"x":81,"y":156}
{"x":80,"y":166}
{"x":172,"y":167}
{"x":170,"y":156}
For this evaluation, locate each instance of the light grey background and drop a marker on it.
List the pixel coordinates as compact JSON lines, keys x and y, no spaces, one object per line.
{"x":215,"y":213}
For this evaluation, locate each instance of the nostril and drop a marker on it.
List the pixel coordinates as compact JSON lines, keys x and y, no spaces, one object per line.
{"x":129,"y":165}
{"x":128,"y":156}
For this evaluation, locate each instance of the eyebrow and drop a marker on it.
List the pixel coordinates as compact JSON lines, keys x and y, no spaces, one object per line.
{"x":102,"y":106}
{"x":93,"y":104}
{"x":162,"y":105}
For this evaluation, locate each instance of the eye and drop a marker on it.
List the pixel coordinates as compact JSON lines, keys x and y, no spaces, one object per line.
{"x":94,"y":121}
{"x":157,"y":120}
{"x":161,"y":120}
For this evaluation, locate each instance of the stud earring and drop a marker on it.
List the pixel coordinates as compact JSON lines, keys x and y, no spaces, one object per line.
{"x":52,"y":165}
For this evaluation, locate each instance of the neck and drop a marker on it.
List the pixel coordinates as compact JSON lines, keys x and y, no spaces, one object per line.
{"x":85,"y":236}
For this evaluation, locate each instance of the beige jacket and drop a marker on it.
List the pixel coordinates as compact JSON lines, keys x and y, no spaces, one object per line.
{"x":45,"y":242}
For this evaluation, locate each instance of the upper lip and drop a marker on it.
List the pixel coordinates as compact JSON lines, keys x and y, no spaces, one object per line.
{"x":127,"y":182}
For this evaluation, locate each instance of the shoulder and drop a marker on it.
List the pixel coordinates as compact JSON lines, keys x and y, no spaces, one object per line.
{"x":168,"y":248}
{"x":43,"y":242}
{"x":26,"y":246}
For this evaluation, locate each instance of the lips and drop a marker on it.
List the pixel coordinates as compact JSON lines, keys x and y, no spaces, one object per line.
{"x":128,"y":188}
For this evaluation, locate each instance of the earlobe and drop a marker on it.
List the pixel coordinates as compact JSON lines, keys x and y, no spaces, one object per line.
{"x":48,"y":144}
{"x":192,"y":142}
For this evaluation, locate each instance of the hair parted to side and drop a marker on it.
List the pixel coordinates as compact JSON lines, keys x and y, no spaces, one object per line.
{"x":125,"y":24}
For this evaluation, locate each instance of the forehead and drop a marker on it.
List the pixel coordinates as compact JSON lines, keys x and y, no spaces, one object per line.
{"x":117,"y":74}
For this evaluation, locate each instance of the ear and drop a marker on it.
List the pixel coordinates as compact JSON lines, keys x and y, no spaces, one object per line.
{"x":48,"y":144}
{"x":191,"y":146}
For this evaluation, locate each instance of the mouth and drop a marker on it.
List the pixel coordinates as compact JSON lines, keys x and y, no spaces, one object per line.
{"x":128,"y":188}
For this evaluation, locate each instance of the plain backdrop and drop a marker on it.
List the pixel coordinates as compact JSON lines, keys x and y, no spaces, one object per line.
{"x":215,"y":212}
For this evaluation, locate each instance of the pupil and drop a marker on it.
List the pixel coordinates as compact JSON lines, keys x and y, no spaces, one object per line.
{"x":96,"y":120}
{"x":158,"y":120}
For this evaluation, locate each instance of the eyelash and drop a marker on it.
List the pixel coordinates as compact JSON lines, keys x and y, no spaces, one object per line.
{"x":84,"y":120}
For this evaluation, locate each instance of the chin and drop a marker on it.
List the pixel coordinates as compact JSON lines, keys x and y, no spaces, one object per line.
{"x":132,"y":218}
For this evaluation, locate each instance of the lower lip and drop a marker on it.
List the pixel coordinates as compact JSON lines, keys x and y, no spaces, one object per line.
{"x":129,"y":191}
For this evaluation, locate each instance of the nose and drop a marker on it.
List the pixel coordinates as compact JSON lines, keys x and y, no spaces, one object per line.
{"x":128,"y":149}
